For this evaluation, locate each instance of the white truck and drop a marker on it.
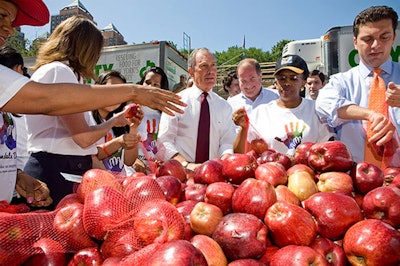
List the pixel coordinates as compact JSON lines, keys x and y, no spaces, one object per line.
{"x":132,"y":60}
{"x":333,"y":52}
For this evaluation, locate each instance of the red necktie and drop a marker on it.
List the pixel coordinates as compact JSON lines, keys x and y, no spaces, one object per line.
{"x":377,"y":103}
{"x":203,"y":132}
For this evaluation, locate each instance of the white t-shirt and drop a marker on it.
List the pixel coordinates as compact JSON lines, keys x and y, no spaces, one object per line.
{"x":10,"y":83}
{"x":48,"y":133}
{"x":148,"y":130}
{"x":285,"y":128}
{"x":8,"y":156}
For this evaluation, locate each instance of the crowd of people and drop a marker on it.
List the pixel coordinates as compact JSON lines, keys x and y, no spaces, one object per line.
{"x":64,"y":132}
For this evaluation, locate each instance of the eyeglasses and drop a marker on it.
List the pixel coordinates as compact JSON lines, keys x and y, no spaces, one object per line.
{"x":282,"y":78}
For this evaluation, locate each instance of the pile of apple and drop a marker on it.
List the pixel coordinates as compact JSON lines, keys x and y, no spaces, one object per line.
{"x":258,"y":208}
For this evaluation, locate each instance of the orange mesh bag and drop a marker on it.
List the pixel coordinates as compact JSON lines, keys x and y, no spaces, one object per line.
{"x":29,"y":234}
{"x":120,"y":215}
{"x":18,"y":233}
{"x":104,"y":209}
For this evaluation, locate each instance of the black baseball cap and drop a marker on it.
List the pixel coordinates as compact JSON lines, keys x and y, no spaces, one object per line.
{"x":291,"y":62}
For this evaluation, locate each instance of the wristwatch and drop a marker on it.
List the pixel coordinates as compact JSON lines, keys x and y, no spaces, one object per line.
{"x":185,"y":163}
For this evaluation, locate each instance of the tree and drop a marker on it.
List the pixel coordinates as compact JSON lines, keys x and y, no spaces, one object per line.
{"x":276,"y":50}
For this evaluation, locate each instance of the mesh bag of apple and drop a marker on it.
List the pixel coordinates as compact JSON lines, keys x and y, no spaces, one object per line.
{"x":116,"y":214}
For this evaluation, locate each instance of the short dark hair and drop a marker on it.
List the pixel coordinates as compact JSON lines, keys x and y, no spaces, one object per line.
{"x":251,"y":61}
{"x":318,"y":73}
{"x":374,"y":14}
{"x":10,"y":58}
{"x":227,"y":81}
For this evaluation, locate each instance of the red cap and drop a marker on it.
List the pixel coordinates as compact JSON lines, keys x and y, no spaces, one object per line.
{"x":31,"y":12}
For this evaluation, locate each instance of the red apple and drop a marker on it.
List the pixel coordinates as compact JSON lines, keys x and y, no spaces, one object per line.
{"x":297,"y":255}
{"x":172,"y":167}
{"x":95,"y":178}
{"x":158,"y":221}
{"x":70,"y":198}
{"x":139,"y":257}
{"x":335,"y":182}
{"x":245,"y":262}
{"x":178,"y":252}
{"x":366,"y":176}
{"x":283,"y":193}
{"x":209,"y":172}
{"x":389,"y":173}
{"x":47,"y":252}
{"x":68,"y":225}
{"x":330,"y":156}
{"x":254,"y":197}
{"x":241,"y":236}
{"x":258,"y":145}
{"x":333,"y":253}
{"x":195,"y":191}
{"x":112,"y":261}
{"x":104,"y":209}
{"x":120,"y":242}
{"x":290,"y":224}
{"x":266,"y":258}
{"x":253,"y":154}
{"x":383,"y":203}
{"x":220,"y":194}
{"x":302,"y":152}
{"x":204,"y":218}
{"x":396,"y":181}
{"x":133,"y":110}
{"x":300,"y":168}
{"x":358,"y":198}
{"x":172,"y":188}
{"x":237,"y":167}
{"x":141,"y":189}
{"x":281,"y":158}
{"x":263,"y":157}
{"x":211,"y":250}
{"x":338,"y":213}
{"x":185,"y":208}
{"x":87,"y":257}
{"x":272,"y":172}
{"x":372,"y":242}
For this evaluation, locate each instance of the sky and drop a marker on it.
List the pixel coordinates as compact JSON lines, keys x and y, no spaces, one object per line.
{"x":219,"y":24}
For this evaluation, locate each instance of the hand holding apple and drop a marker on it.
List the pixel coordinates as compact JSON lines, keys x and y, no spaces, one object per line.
{"x":132,"y":110}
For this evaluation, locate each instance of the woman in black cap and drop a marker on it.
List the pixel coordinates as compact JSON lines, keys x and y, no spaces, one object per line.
{"x":290,"y":120}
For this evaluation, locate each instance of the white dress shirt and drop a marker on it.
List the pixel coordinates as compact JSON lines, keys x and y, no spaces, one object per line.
{"x":266,"y":95}
{"x":352,"y":87}
{"x":178,"y":134}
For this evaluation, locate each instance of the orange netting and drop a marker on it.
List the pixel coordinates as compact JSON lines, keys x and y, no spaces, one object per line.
{"x":119,"y":215}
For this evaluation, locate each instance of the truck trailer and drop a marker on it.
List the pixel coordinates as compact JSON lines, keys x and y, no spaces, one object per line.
{"x":333,"y":52}
{"x":132,"y":60}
